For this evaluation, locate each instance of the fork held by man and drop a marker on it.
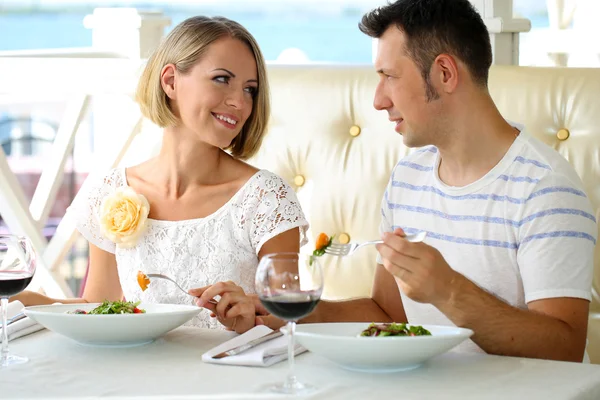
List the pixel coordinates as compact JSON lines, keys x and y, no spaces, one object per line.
{"x":341,"y":250}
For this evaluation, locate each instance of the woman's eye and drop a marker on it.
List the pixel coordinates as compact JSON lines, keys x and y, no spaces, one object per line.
{"x":221,"y":79}
{"x":252,"y":90}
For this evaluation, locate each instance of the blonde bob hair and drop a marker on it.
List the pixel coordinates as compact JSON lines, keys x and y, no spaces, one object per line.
{"x":183,"y":47}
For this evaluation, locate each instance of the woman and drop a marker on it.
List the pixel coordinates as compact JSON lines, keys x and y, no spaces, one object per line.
{"x":196,"y":212}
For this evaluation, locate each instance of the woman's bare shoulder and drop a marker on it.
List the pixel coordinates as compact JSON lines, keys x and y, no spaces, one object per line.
{"x":243,"y":170}
{"x":140,"y":175}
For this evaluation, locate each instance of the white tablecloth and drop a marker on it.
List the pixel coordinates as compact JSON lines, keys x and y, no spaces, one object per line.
{"x":171,"y":368}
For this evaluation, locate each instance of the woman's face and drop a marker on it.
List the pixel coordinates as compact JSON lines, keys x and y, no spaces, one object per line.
{"x":215,"y":98}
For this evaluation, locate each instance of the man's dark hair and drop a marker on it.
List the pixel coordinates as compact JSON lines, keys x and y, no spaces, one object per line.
{"x":433,"y":27}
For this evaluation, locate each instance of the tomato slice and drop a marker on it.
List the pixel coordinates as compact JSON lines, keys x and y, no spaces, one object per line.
{"x":322,"y":241}
{"x":143,"y":280}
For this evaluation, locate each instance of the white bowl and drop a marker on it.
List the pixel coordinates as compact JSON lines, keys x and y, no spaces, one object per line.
{"x":340,"y":343}
{"x":115,"y":330}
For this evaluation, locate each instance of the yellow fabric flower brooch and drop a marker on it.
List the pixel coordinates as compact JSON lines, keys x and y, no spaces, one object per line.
{"x":123,"y":216}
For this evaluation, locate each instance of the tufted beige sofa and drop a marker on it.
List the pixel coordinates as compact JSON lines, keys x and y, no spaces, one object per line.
{"x":327,"y":140}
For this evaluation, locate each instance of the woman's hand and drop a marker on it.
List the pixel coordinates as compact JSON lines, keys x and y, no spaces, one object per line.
{"x":29,"y":298}
{"x":24,"y":297}
{"x":260,"y":309}
{"x":235,"y":309}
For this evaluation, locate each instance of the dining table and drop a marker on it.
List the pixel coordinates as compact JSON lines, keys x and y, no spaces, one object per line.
{"x":171,"y":368}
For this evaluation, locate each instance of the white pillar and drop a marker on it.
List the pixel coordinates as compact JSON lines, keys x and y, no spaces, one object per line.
{"x":560,"y":16}
{"x":126,"y":31}
{"x":586,"y":31}
{"x":130,"y":33}
{"x":503,"y":28}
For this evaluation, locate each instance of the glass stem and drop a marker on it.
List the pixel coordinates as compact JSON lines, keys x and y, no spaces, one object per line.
{"x":291,"y":381}
{"x":4,"y":306}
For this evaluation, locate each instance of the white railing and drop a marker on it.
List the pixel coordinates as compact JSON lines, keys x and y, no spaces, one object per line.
{"x":74,"y":52}
{"x":79,"y":80}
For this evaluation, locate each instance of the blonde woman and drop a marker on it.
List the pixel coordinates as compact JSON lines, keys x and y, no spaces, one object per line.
{"x":196,"y":212}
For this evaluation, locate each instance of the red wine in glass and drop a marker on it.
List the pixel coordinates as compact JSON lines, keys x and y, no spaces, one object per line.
{"x":289,"y":285}
{"x":13,"y":282}
{"x":291,"y":306}
{"x":17,"y":267}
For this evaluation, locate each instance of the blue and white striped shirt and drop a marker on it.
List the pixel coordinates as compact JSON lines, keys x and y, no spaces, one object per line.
{"x":523,"y":232}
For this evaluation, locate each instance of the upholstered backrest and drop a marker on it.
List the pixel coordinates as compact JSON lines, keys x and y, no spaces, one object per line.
{"x":337,"y":151}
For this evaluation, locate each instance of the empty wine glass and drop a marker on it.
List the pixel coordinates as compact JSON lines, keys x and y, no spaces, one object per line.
{"x":17,"y":266}
{"x":289,"y":285}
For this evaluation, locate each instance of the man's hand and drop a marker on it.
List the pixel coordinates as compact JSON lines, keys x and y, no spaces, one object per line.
{"x":422,"y":273}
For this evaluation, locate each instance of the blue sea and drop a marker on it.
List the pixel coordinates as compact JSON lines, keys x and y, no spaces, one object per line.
{"x":324,"y":38}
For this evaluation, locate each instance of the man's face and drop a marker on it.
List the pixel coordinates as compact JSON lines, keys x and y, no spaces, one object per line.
{"x":402,"y":91}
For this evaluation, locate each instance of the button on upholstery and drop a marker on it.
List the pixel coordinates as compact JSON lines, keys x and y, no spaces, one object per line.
{"x":355,"y":130}
{"x":344,"y":238}
{"x":563,"y":134}
{"x":299,"y":180}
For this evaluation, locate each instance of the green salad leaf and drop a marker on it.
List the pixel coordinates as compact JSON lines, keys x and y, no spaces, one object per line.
{"x":394,"y":329}
{"x":117,"y":307}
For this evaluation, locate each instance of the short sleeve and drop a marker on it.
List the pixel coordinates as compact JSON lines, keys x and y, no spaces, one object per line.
{"x":386,"y":222}
{"x":84,"y":208}
{"x":557,"y":236}
{"x":270,"y":207}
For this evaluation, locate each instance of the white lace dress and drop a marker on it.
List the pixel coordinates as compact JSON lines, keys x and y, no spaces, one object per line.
{"x":196,"y":252}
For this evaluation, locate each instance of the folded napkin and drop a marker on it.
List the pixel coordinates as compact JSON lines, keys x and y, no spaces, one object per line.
{"x":20,"y":328}
{"x":263,"y":355}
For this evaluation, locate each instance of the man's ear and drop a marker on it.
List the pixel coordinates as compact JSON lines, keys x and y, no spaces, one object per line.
{"x":167,"y":80}
{"x":445,"y":73}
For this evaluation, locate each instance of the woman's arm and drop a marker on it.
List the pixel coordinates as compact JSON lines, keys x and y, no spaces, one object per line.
{"x":102,"y":283}
{"x":286,"y":242}
{"x":237,"y":310}
{"x":103,"y":277}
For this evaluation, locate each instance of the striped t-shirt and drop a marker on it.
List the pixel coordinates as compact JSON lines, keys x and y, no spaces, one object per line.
{"x":523,"y":232}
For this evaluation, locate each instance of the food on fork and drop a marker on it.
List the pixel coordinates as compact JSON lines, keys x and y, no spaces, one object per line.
{"x":322,"y":243}
{"x":394,"y":329}
{"x":113,"y":307}
{"x":143,"y":280}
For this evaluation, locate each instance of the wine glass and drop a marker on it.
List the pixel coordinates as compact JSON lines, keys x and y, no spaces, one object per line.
{"x":17,"y":266}
{"x":289,"y":285}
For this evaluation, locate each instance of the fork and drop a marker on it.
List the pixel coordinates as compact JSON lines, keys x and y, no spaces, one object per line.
{"x":342,"y":250}
{"x":161,"y":276}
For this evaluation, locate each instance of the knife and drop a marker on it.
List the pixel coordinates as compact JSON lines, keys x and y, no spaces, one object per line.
{"x":16,"y":318}
{"x":253,"y":343}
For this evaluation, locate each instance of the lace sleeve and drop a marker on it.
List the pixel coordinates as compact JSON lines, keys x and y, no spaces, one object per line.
{"x":271,"y":208}
{"x":85,"y":206}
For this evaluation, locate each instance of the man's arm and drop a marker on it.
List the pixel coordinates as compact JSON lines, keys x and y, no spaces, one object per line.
{"x":385,"y":304}
{"x":550,"y":329}
{"x":554,"y":329}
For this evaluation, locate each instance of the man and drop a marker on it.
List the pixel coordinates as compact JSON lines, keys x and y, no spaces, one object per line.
{"x":509,"y":250}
